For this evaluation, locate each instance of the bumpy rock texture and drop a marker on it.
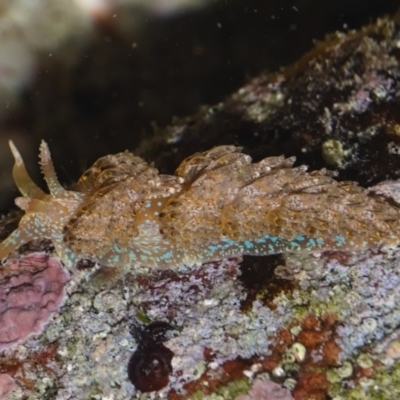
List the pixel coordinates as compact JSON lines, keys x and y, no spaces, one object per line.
{"x":266,"y":390}
{"x":336,"y":107}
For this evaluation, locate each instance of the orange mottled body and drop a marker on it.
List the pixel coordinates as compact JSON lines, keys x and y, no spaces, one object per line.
{"x":218,"y":204}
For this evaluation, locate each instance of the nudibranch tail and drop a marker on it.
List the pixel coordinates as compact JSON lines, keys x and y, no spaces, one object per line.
{"x":24,"y":182}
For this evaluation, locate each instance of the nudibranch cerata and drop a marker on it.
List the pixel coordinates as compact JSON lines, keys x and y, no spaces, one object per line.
{"x":217,"y":204}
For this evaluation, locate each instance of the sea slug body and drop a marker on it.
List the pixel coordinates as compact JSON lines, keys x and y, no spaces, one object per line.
{"x":217,"y":204}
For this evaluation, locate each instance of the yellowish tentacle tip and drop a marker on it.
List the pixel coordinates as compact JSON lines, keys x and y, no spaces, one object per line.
{"x":15,"y":153}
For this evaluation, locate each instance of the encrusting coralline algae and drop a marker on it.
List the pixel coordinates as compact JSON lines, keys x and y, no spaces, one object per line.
{"x":32,"y":288}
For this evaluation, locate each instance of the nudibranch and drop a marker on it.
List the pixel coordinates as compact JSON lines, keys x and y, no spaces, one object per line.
{"x":217,"y":204}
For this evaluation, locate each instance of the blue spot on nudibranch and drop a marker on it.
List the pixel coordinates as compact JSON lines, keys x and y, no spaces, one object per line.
{"x":132,"y":256}
{"x":213,"y":248}
{"x":229,"y":242}
{"x":167,"y":255}
{"x":340,"y":240}
{"x":271,"y":248}
{"x":294,"y":245}
{"x":311,"y":243}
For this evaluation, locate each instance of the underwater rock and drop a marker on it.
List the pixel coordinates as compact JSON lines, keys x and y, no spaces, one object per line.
{"x":266,"y":390}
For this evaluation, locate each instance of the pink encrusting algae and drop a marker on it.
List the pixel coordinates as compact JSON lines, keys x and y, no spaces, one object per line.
{"x":32,"y":288}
